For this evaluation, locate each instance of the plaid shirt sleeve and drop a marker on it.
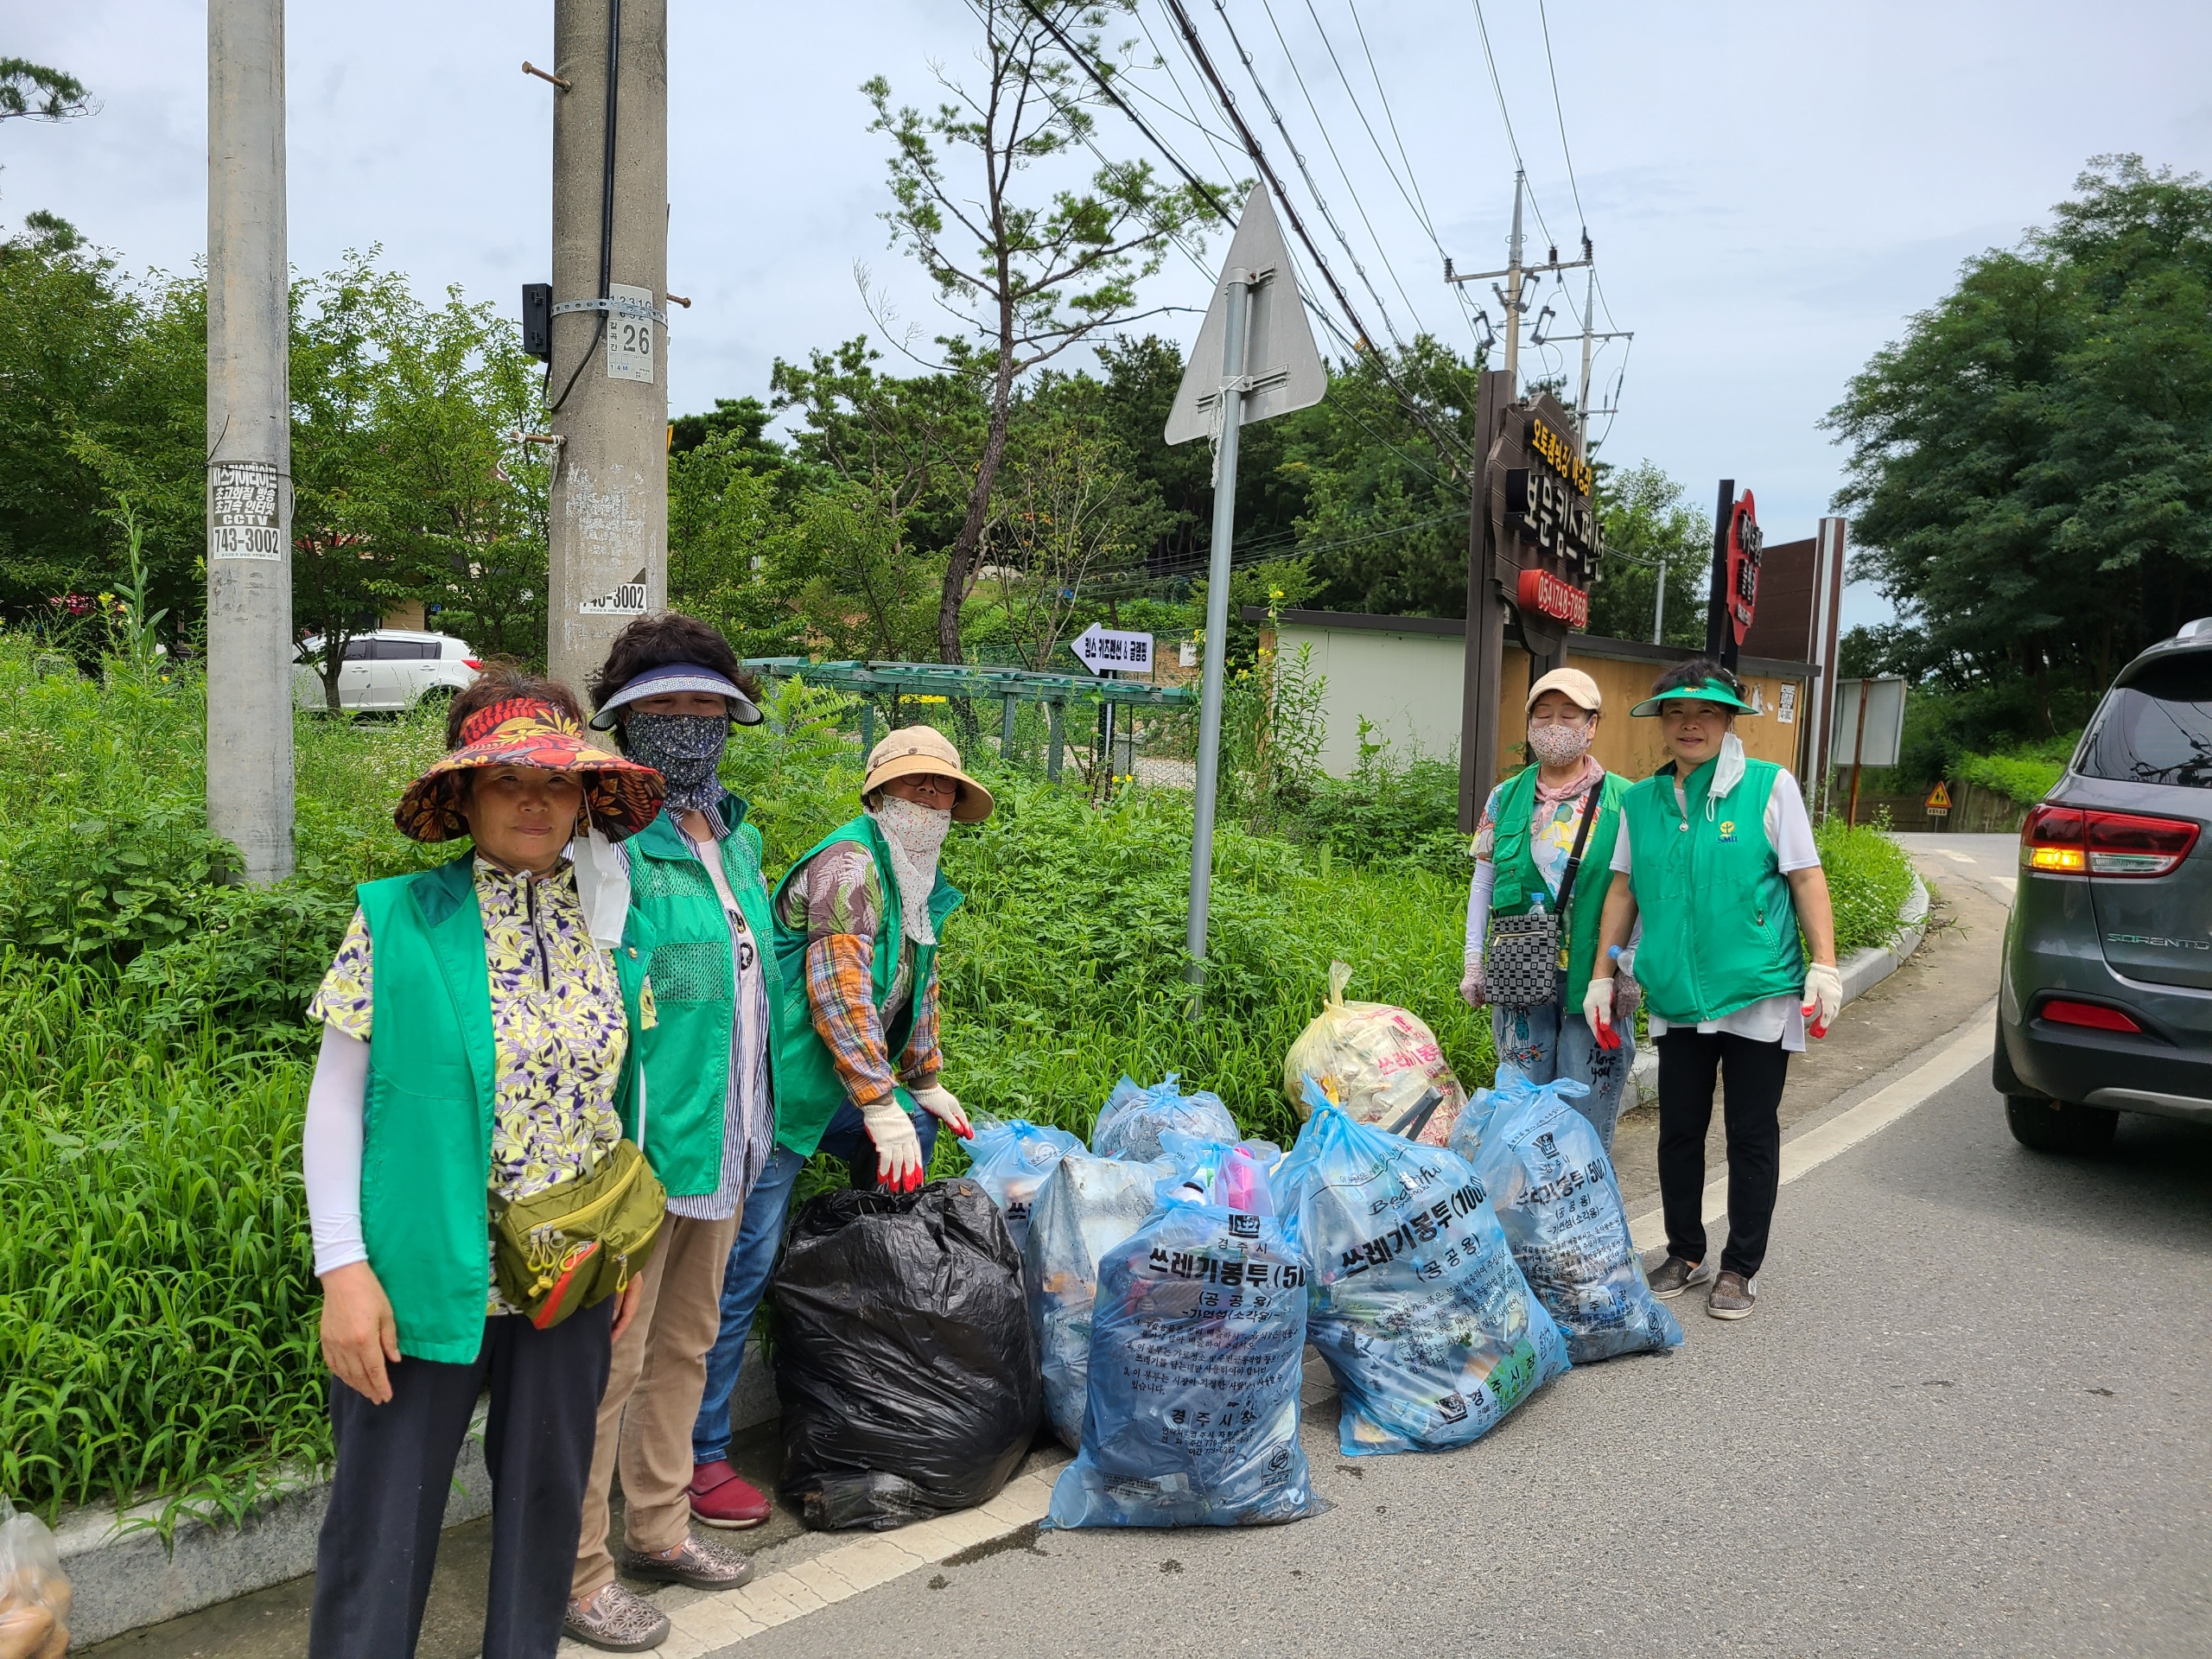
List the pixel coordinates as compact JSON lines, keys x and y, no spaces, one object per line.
{"x":921,"y":1063}
{"x":841,"y":996}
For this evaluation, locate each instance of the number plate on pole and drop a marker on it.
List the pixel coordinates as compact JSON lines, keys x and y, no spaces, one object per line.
{"x":631,"y":346}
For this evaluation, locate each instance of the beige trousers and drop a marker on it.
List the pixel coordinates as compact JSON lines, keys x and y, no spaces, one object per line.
{"x":653,"y":1386}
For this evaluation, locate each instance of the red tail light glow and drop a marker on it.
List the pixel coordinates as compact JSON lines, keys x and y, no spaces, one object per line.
{"x":471,"y":662}
{"x":2086,"y":841}
{"x":2062,"y":1011}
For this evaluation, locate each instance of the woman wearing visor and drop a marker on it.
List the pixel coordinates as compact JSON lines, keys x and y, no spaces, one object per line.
{"x":1716,"y":857}
{"x":669,"y":691}
{"x":1542,"y":850}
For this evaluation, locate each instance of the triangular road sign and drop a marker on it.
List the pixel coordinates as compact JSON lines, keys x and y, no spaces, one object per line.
{"x":1281,"y":364}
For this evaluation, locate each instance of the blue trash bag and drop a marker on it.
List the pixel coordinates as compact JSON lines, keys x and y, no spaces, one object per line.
{"x":1086,"y":1207}
{"x":1418,"y":1308}
{"x":1196,"y":1343}
{"x":1130,"y":1121}
{"x":1010,"y":1161}
{"x":1233,"y":1174}
{"x":1556,"y":1196}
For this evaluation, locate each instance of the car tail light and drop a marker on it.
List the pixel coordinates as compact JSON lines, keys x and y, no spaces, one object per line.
{"x":2077,"y":841}
{"x":2065,"y":1012}
{"x":471,"y":662}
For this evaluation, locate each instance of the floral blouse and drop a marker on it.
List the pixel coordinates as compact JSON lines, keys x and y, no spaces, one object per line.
{"x":558,"y":1029}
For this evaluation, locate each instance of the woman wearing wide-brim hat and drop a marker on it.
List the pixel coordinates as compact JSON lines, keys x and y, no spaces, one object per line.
{"x":858,"y":920}
{"x":477,"y":1078}
{"x":1542,"y":849}
{"x":1716,"y":858}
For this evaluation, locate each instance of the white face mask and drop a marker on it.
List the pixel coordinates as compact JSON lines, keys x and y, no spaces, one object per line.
{"x":915,"y":835}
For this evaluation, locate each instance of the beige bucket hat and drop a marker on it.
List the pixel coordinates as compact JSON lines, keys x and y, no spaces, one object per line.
{"x":1577,"y":687}
{"x":917,"y":749}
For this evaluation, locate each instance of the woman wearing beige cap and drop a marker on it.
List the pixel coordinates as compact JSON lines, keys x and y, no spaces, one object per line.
{"x":857,"y":922}
{"x":1533,"y":917}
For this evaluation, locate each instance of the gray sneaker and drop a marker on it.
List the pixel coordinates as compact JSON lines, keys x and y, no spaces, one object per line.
{"x":702,"y":1563}
{"x":617,"y":1620}
{"x":1675,"y":1276}
{"x":1730,"y":1298}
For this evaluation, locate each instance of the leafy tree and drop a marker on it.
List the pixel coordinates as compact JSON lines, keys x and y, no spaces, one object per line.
{"x":2031,"y":470}
{"x":31,"y":91}
{"x":728,"y":529}
{"x":1064,"y":516}
{"x":1650,"y":525}
{"x":1027,"y":280}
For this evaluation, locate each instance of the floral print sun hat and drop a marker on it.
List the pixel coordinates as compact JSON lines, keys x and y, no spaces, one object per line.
{"x":623,"y":796}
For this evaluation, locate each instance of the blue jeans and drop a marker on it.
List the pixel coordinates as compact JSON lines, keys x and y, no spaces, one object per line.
{"x":752,"y":1259}
{"x":1547,"y":1043}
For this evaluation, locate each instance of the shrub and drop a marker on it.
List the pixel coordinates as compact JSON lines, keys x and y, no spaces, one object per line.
{"x":1869,"y":879}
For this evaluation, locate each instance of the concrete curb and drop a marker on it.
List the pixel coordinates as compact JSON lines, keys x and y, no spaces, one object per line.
{"x":1862,"y":970}
{"x":123,"y":1578}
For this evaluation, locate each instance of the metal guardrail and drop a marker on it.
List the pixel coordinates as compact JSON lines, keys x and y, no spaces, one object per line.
{"x":876,"y":682}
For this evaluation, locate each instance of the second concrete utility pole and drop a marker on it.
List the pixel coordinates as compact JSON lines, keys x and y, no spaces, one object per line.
{"x":608,"y":382}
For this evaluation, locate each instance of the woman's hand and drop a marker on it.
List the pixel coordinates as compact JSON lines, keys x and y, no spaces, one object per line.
{"x":360,"y":1335}
{"x":943,"y":1104}
{"x":626,"y":1307}
{"x":1597,"y":1010}
{"x":1473,"y":990}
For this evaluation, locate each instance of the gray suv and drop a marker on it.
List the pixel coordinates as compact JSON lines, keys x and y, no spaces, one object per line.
{"x":2104,"y":1002}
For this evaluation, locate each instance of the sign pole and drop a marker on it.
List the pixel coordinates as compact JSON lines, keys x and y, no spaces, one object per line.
{"x":1718,"y":633}
{"x":1238,"y":284}
{"x":1858,"y":748}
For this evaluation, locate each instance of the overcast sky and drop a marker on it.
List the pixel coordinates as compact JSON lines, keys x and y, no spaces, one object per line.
{"x":1772,"y":190}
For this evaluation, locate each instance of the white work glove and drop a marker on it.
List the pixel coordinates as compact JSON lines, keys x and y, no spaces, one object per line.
{"x":897,"y":1149}
{"x":1823,"y":992}
{"x":1472,"y":989}
{"x":1597,"y":1009}
{"x":943,"y":1104}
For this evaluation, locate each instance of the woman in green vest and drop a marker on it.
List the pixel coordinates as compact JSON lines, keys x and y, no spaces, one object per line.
{"x":671,"y":690}
{"x":479,"y":1052}
{"x":857,"y":922}
{"x":1556,"y":817}
{"x":1716,"y":860}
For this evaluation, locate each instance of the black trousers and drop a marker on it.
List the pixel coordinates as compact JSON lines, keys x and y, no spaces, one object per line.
{"x":395,"y":1461}
{"x":1688,"y":1062}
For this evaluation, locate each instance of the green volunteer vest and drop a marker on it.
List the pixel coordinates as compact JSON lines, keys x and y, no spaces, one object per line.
{"x":426,"y":1152}
{"x":808,"y":1090}
{"x":1520,"y":885}
{"x":1719,"y":930}
{"x":687,"y":1054}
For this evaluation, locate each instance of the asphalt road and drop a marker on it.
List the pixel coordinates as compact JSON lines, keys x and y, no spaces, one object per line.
{"x":1969,"y":1417}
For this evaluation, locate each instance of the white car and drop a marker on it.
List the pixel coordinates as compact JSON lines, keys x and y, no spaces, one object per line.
{"x":389,"y":669}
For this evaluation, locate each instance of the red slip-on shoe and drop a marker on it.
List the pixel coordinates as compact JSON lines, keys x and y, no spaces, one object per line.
{"x":722,"y":1497}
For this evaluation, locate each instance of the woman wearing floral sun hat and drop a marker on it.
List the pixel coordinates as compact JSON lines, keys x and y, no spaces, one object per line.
{"x":1716,"y":857}
{"x":478,"y":1056}
{"x":857,"y":920}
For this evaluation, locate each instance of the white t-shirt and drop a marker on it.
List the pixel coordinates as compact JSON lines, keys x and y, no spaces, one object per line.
{"x":1790,"y":832}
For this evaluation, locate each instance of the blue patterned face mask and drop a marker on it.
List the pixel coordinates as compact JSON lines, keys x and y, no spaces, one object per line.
{"x":686,"y":750}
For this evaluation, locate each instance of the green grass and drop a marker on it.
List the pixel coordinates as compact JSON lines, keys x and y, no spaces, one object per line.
{"x":157,"y":1306}
{"x":2023,"y":775}
{"x":1869,"y":879}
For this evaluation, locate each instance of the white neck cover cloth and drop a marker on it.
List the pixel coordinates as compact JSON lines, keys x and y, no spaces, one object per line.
{"x":914,"y":834}
{"x":602,"y":887}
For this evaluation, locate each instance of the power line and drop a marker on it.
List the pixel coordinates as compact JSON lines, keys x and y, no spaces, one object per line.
{"x":1506,"y":115}
{"x":1560,"y":111}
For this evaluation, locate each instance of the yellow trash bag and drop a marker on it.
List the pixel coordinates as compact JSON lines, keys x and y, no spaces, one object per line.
{"x":1377,"y":1061}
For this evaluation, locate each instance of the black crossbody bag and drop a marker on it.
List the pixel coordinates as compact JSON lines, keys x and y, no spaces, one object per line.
{"x":1524,"y":965}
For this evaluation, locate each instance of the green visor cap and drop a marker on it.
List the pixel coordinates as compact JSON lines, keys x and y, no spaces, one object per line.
{"x":1711,"y":691}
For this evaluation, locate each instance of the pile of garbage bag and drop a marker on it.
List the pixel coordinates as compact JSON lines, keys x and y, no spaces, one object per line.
{"x":34,"y":1593}
{"x":1554,"y":1192}
{"x":1418,"y":1307}
{"x":1011,"y":1160}
{"x":1380,"y":1064}
{"x":1196,"y":1342}
{"x":1133,"y":1119}
{"x":903,"y":1359}
{"x":1086,"y":1207}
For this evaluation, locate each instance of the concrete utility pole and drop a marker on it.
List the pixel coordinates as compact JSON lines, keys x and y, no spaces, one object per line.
{"x":1516,"y":273}
{"x":250,"y":641}
{"x":1512,"y":295}
{"x":608,"y":384}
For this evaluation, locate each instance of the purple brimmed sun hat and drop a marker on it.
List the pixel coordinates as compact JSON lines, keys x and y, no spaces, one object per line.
{"x":678,"y":676}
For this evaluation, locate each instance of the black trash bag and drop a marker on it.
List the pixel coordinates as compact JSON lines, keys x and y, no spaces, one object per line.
{"x":904,"y":1357}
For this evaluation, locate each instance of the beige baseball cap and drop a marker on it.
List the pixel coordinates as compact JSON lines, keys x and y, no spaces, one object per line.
{"x":1572,"y":684}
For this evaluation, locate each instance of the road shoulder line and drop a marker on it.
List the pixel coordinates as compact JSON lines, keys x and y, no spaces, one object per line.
{"x":1947,"y":1058}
